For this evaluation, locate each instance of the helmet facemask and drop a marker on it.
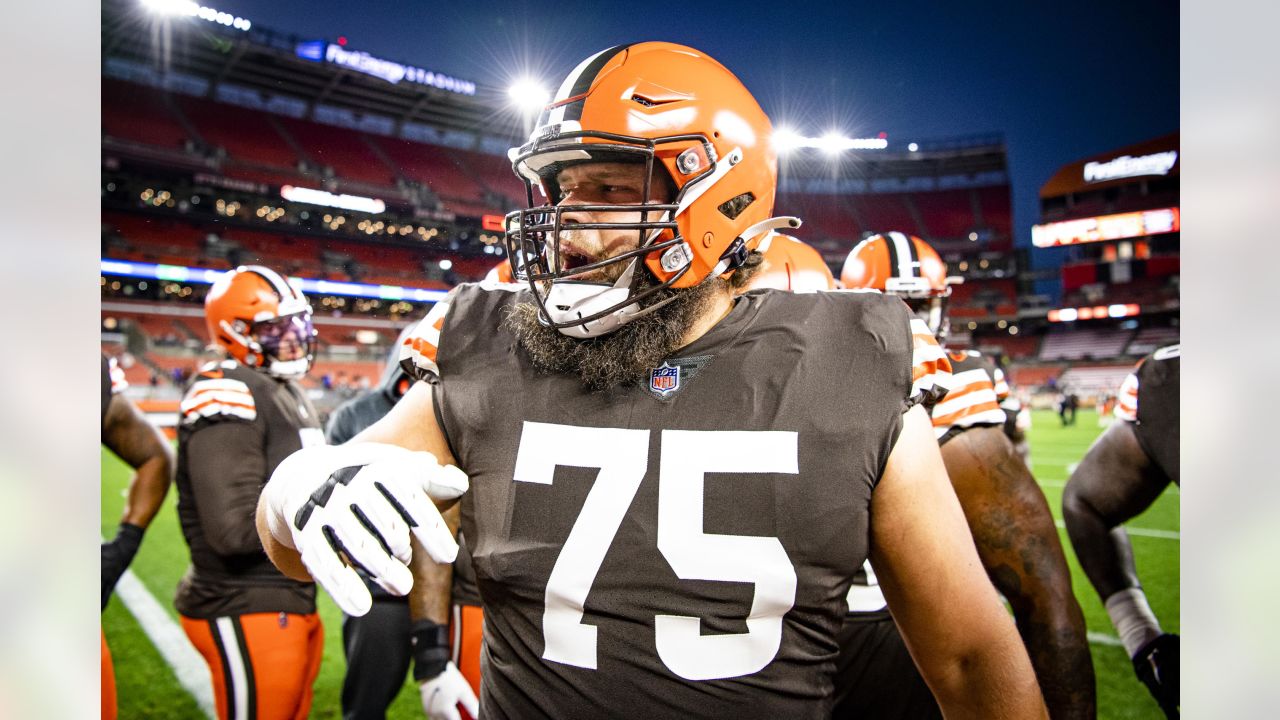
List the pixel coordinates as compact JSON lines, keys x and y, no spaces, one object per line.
{"x":568,"y":297}
{"x":283,"y":345}
{"x":932,"y":309}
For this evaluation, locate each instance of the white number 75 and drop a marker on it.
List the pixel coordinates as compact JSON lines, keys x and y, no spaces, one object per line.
{"x":687,"y":455}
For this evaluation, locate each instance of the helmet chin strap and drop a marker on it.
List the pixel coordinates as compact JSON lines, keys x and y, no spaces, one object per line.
{"x":768,"y":227}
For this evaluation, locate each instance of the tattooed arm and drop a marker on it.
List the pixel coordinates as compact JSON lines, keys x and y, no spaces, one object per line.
{"x":1019,"y":547}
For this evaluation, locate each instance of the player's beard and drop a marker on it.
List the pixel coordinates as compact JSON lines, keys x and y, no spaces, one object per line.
{"x":627,"y":354}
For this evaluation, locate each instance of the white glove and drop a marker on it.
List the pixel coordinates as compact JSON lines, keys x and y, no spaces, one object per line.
{"x":361,"y":500}
{"x":442,"y":694}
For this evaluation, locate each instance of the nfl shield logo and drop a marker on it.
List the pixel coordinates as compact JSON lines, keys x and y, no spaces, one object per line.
{"x":665,"y":380}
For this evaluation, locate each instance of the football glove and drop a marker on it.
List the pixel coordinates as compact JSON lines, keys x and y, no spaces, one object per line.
{"x":116,"y":556}
{"x":355,"y":505}
{"x":442,"y":694}
{"x":1157,"y":664}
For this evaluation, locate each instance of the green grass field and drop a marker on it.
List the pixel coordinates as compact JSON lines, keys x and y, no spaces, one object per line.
{"x":148,"y":688}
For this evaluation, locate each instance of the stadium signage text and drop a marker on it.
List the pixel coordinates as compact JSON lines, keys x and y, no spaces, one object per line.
{"x":1127,"y":166}
{"x":1106,"y":227}
{"x":392,"y":72}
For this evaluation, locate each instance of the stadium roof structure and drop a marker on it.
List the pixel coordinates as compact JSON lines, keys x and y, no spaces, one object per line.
{"x":1155,"y":158}
{"x":274,"y":63}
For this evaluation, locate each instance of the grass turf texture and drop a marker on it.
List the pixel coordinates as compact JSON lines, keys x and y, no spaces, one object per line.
{"x":148,"y":688}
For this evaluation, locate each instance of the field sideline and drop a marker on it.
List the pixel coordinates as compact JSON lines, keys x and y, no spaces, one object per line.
{"x":148,"y":687}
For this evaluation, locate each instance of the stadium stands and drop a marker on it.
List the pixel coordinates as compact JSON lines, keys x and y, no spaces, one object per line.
{"x":1150,"y":338}
{"x":885,"y":211}
{"x":140,"y":115}
{"x":1034,"y":376}
{"x":1084,"y":344}
{"x":246,"y":135}
{"x":1099,"y":380}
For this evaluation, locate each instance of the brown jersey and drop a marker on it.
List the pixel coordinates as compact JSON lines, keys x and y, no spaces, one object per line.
{"x":236,"y":425}
{"x":682,"y":546}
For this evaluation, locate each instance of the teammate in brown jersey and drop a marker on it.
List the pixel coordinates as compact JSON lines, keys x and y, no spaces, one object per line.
{"x":668,"y":494}
{"x":126,"y":432}
{"x":1123,"y":473}
{"x":1006,"y":511}
{"x":257,"y":629}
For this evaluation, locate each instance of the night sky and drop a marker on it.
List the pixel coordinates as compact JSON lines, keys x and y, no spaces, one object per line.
{"x":1059,"y":80}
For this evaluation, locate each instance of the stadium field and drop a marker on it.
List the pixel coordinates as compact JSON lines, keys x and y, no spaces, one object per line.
{"x":152,"y":664}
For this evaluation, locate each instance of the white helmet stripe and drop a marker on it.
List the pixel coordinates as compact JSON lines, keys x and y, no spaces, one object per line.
{"x":282,"y":287}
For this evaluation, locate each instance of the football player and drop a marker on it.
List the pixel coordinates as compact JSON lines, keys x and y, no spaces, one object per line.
{"x":380,"y":644}
{"x":1006,"y":510}
{"x":668,"y":493}
{"x":128,"y":434}
{"x":1123,"y":473}
{"x":240,"y":417}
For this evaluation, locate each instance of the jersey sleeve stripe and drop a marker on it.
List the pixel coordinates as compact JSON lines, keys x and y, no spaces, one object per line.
{"x":930,"y":369}
{"x":1127,"y":402}
{"x":419,"y":351}
{"x":967,"y":398}
{"x":214,"y":407}
{"x":978,"y":415}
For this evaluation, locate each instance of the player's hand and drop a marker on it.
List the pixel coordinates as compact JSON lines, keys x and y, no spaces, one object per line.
{"x":355,"y":505}
{"x":442,"y":694}
{"x":116,"y":556}
{"x":1157,"y":664}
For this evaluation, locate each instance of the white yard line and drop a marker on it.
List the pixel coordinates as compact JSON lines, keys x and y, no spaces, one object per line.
{"x":174,"y":647}
{"x":1098,"y":638}
{"x":1144,"y":532}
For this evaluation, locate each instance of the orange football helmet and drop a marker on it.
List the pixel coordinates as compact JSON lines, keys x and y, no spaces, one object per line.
{"x":790,"y":264}
{"x":688,"y":120}
{"x":261,"y":320}
{"x":906,"y":266}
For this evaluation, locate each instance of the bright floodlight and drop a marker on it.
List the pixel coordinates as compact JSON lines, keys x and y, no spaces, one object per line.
{"x":171,"y":7}
{"x":785,"y":140}
{"x":446,"y":264}
{"x":833,"y":142}
{"x":913,"y":147}
{"x":528,"y":95}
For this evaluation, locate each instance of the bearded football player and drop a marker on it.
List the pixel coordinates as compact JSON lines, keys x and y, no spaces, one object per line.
{"x":1006,"y":510}
{"x":1123,"y":473}
{"x":666,"y":494}
{"x":257,"y":629}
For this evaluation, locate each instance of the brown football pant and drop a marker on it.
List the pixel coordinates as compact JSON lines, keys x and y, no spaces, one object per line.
{"x":262,"y":664}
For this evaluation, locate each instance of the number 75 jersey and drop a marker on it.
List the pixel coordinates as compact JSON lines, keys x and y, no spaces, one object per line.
{"x":682,"y":546}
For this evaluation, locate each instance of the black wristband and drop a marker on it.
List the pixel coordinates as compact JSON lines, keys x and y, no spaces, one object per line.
{"x":430,"y":649}
{"x":129,"y":537}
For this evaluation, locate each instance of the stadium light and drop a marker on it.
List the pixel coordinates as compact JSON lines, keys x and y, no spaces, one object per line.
{"x":786,"y":140}
{"x":446,"y":264}
{"x":913,"y":147}
{"x":191,"y":9}
{"x":529,"y":95}
{"x":833,"y":142}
